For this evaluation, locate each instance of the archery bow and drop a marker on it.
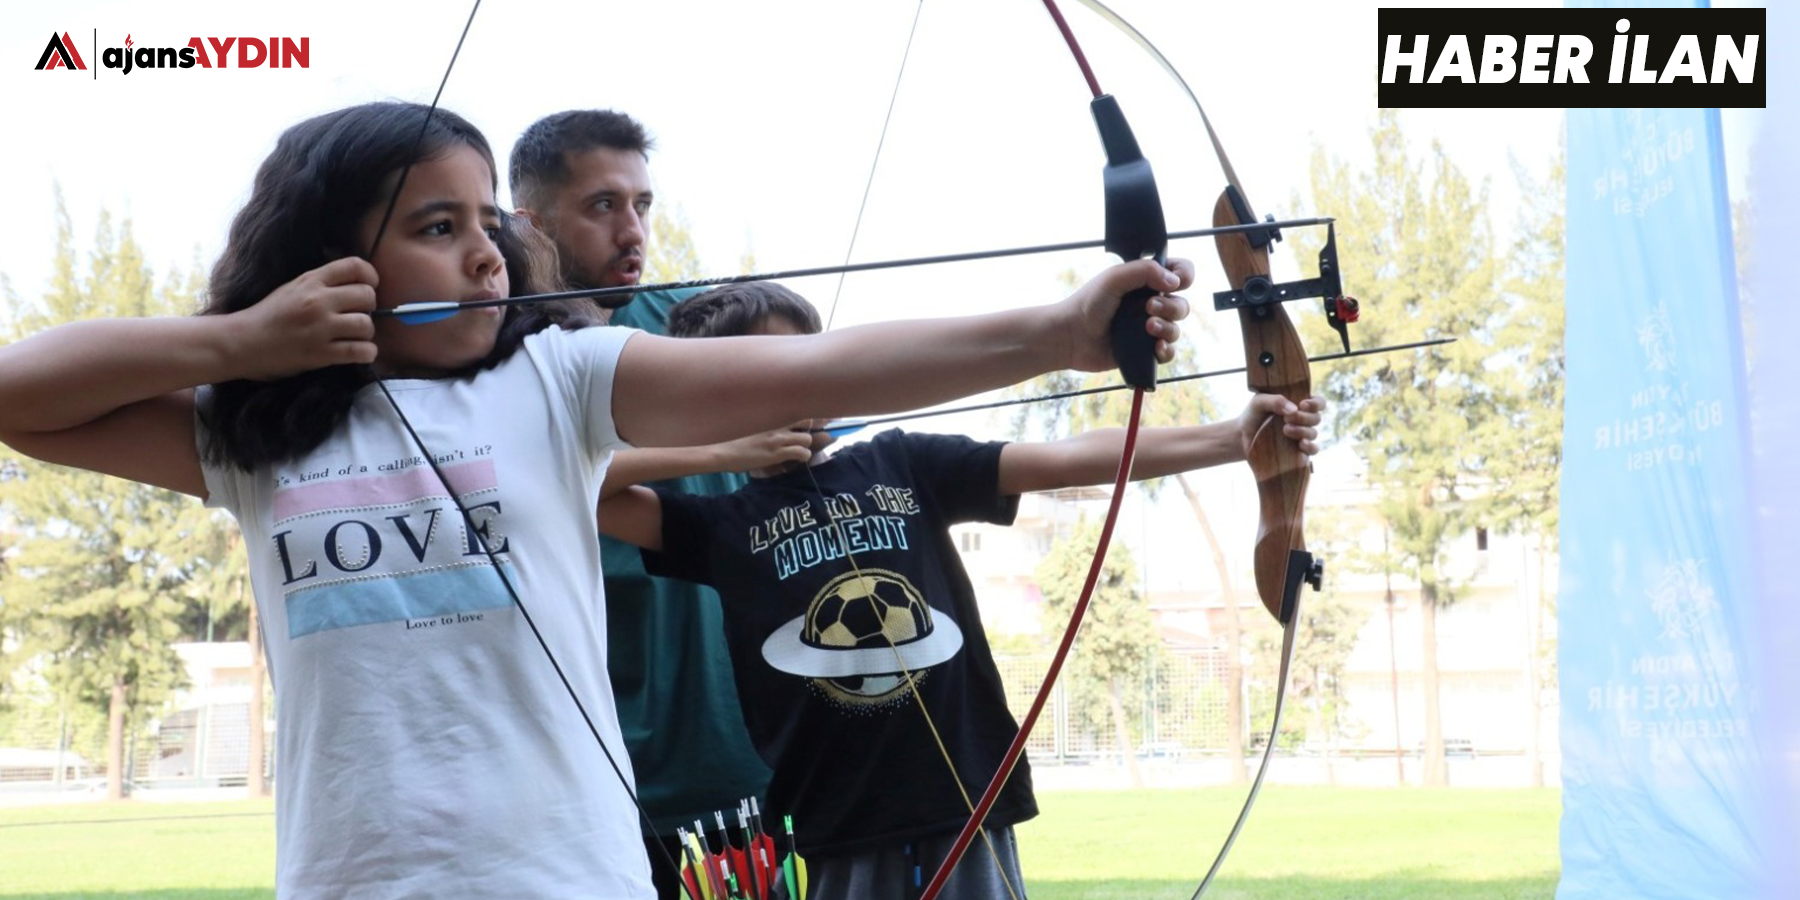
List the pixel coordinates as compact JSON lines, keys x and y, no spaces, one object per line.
{"x":1134,"y":229}
{"x":1276,"y":363}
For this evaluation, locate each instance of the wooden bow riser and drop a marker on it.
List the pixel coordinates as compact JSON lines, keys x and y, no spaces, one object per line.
{"x":1276,"y":364}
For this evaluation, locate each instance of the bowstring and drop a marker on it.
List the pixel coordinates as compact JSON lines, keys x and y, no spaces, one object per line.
{"x":832,"y":518}
{"x":456,"y":499}
{"x":880,"y":143}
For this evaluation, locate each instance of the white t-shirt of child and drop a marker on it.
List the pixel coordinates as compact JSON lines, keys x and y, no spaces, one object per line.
{"x":425,"y":746}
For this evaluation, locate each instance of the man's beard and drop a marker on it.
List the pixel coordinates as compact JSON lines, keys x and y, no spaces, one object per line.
{"x":585,"y":281}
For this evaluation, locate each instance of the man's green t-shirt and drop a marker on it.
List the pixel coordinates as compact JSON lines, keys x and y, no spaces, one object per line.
{"x":671,"y":672}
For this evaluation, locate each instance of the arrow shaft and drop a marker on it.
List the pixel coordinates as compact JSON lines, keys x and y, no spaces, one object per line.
{"x":849,"y":428}
{"x":628,"y":290}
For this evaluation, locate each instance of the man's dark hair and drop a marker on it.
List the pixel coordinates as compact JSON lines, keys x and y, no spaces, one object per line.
{"x":540,"y":158}
{"x":735,"y":309}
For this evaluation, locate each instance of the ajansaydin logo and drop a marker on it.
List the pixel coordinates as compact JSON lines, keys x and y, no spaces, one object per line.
{"x":61,"y":54}
{"x":210,"y":53}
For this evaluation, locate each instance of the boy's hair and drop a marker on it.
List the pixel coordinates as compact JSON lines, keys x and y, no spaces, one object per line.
{"x":540,"y":157}
{"x":737,"y":309}
{"x":306,"y":205}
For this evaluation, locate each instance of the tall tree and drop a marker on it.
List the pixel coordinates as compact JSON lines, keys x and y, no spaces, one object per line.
{"x":1118,"y":638}
{"x":1415,"y":233}
{"x":104,"y":572}
{"x":1188,"y":404}
{"x":1523,"y":446}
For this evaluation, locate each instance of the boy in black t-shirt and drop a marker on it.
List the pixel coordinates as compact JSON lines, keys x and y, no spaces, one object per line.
{"x":864,"y":673}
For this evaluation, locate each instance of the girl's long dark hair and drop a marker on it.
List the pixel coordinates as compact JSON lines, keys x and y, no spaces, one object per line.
{"x":309,"y":198}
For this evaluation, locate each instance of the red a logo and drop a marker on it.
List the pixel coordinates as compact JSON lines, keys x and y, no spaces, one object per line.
{"x":61,"y":54}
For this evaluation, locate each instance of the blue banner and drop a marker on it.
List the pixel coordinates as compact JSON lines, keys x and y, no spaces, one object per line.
{"x":1656,"y":643}
{"x":1774,"y":231}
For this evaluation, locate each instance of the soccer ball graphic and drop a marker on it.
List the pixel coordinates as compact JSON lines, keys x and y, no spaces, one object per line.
{"x":866,"y":609}
{"x":861,"y":636}
{"x":871,"y":610}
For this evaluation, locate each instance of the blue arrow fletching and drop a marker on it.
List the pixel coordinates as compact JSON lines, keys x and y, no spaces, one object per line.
{"x":421,"y":313}
{"x":848,"y":426}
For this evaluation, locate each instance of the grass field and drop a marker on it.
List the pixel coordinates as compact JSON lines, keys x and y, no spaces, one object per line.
{"x":1313,"y":843}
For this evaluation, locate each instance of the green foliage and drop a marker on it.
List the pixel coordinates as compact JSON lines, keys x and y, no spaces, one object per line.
{"x":1182,"y":403}
{"x":1191,"y":703}
{"x":1315,"y":681}
{"x":101,"y":573}
{"x":1118,"y":637}
{"x":1455,"y":437}
{"x":1526,"y":442}
{"x":32,"y":716}
{"x":1523,"y":443}
{"x":1416,"y":247}
{"x":672,"y":255}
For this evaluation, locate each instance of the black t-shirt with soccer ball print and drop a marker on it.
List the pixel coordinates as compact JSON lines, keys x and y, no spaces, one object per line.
{"x":841,"y":599}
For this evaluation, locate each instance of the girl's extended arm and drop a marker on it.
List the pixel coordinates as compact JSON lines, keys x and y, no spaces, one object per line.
{"x":671,"y":392}
{"x":1093,"y":457}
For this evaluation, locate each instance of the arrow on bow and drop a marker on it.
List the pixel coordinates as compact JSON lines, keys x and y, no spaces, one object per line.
{"x":420,"y":313}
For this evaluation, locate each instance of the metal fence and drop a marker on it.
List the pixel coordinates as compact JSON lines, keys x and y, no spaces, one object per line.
{"x":1181,"y":710}
{"x":203,"y":745}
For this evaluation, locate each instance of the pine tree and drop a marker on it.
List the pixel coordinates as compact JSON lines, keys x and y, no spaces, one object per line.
{"x":1118,"y":638}
{"x":1415,"y":242}
{"x":103,"y":573}
{"x":1524,"y":446}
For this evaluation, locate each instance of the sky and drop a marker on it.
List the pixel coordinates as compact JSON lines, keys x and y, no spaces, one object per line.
{"x":766,"y":116}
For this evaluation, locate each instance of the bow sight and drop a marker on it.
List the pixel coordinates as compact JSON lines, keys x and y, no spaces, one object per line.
{"x":1259,"y":291}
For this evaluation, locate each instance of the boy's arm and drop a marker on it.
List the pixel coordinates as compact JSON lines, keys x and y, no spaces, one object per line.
{"x":1093,"y":457}
{"x":757,"y":451}
{"x":633,"y":515}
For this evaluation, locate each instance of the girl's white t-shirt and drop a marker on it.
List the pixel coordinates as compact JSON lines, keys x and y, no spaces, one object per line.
{"x":425,"y":745}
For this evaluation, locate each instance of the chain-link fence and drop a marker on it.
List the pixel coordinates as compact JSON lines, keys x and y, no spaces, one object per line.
{"x":1181,"y":710}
